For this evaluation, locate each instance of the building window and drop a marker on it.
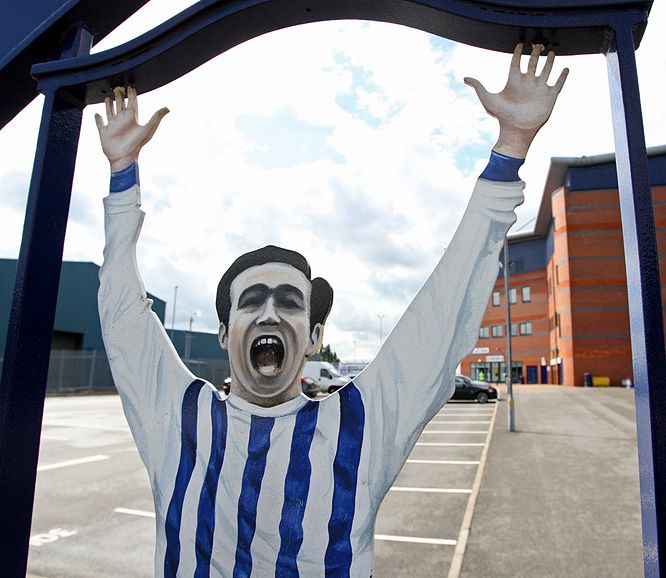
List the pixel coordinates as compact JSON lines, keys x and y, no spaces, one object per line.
{"x":514,"y":329}
{"x":526,"y":328}
{"x":526,"y":294}
{"x":513,"y":296}
{"x":484,"y":332}
{"x":496,"y":298}
{"x":498,"y":330}
{"x":559,"y":325}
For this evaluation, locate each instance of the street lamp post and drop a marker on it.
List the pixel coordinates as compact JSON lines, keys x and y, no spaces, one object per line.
{"x":509,"y":361}
{"x":173,"y":315}
{"x":188,"y":338}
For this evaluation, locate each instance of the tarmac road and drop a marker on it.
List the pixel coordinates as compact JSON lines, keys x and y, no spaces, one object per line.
{"x":93,"y":510}
{"x":558,"y":498}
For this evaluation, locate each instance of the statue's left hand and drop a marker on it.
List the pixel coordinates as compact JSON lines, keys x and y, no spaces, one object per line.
{"x":525,"y":103}
{"x":123,"y":137}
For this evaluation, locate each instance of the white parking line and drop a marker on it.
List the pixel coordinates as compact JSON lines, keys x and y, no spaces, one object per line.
{"x":446,"y":462}
{"x":464,"y":408}
{"x":465,"y":528}
{"x":450,"y":444}
{"x":431,"y":490}
{"x":456,"y":421}
{"x":72,"y":463}
{"x":387,"y":537}
{"x":131,"y":512}
{"x":450,"y":415}
{"x":415,"y":540}
{"x":83,"y":426}
{"x":457,"y":431}
{"x":482,"y":412}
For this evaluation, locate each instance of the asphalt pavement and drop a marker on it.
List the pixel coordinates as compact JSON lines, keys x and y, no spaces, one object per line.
{"x":94,"y":515}
{"x":560,"y":496}
{"x":557,"y":498}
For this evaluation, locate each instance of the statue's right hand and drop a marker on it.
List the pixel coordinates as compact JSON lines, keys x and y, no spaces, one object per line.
{"x":122,"y":136}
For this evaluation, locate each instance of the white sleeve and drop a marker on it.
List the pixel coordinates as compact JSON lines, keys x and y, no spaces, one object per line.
{"x":412,"y":376}
{"x":150,"y":377}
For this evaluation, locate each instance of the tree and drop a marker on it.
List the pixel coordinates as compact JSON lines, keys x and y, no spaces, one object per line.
{"x":327,"y":354}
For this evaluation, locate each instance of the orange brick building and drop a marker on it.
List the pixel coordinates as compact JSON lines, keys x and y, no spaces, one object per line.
{"x":568,"y":287}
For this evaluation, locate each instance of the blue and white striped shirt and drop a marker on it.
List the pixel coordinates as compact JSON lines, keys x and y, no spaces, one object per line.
{"x":291,"y":490}
{"x":272,"y":492}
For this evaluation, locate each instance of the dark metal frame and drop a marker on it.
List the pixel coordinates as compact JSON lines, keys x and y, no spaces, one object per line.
{"x":210,"y":27}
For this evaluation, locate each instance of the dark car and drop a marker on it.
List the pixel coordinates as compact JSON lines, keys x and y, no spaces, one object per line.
{"x":310,"y":387}
{"x":469,"y":389}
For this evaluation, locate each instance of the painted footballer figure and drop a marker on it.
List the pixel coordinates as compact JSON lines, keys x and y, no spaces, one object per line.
{"x":266,"y":482}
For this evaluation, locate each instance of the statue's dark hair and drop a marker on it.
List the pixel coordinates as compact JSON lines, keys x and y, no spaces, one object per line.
{"x":321,"y":296}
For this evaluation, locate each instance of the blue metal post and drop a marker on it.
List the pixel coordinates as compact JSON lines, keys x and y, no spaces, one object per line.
{"x":644,"y":292}
{"x":30,"y":330}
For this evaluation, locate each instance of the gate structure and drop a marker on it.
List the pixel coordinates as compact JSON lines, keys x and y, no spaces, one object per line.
{"x":46,"y":49}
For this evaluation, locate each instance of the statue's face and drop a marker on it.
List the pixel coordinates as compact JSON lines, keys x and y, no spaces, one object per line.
{"x":269,"y":331}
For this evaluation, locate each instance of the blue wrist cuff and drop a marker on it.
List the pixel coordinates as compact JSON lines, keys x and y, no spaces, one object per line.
{"x":502,"y":168}
{"x":123,"y":180}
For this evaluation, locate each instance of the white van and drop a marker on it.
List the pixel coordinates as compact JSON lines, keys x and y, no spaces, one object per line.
{"x":325,"y":376}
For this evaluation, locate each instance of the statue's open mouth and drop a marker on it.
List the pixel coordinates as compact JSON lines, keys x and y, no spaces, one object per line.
{"x":267,"y":355}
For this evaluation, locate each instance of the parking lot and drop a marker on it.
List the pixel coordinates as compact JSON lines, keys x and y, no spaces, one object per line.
{"x":93,"y":510}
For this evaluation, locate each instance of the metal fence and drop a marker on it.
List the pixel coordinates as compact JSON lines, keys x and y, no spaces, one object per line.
{"x":77,"y":372}
{"x":213,"y":370}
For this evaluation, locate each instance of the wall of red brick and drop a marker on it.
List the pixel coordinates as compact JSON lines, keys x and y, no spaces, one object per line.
{"x":528,"y":349}
{"x":599,"y":320}
{"x":579,"y":307}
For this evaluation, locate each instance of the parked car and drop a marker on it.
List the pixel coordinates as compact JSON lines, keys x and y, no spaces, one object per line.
{"x":469,"y":389}
{"x":310,"y":388}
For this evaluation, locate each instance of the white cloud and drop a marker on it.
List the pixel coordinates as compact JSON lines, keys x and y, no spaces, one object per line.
{"x":409,"y":139}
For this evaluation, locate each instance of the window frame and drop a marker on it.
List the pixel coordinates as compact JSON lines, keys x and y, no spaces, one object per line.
{"x":513,"y":296}
{"x":524,"y":328}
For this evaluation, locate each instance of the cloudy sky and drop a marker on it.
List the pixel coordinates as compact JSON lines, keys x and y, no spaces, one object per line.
{"x":355,"y":143}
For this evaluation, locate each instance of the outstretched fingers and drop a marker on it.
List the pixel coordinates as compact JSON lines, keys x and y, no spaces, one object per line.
{"x":560,"y":81}
{"x":515,"y":60}
{"x":99,"y":121}
{"x":154,"y":122}
{"x":119,"y":93}
{"x":550,"y":59}
{"x":480,"y":90}
{"x":132,"y":101}
{"x":534,"y":59}
{"x":109,"y":108}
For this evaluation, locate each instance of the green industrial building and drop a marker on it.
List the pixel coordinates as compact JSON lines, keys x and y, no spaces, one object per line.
{"x":78,"y":359}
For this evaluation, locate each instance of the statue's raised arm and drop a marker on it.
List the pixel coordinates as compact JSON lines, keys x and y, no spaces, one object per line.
{"x":412,"y":376}
{"x":147,"y":371}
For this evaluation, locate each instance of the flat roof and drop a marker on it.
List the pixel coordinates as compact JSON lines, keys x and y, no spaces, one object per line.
{"x":557,"y":177}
